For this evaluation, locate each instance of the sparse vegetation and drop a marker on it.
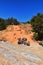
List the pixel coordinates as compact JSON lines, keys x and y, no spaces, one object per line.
{"x":26,"y":32}
{"x":14,"y":34}
{"x":15,"y":37}
{"x":21,"y":32}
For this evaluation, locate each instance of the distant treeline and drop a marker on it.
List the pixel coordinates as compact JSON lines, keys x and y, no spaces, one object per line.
{"x":5,"y":22}
{"x":10,"y":21}
{"x":36,"y":22}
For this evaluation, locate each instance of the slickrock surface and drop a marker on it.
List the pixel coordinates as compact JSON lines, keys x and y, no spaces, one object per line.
{"x":20,"y":54}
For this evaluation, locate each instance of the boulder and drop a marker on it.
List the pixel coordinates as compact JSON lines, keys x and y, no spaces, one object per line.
{"x":40,"y":43}
{"x":28,"y":43}
{"x":24,"y":39}
{"x":19,"y":41}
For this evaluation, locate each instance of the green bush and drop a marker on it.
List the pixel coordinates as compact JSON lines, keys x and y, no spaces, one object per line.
{"x":2,"y":24}
{"x":37,"y":25}
{"x":12,"y":21}
{"x":35,"y":36}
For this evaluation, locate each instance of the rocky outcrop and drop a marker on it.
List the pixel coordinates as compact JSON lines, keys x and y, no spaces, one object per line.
{"x":13,"y":32}
{"x":23,"y":41}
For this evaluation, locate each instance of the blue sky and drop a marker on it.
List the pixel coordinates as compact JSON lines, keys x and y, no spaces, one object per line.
{"x":22,"y":10}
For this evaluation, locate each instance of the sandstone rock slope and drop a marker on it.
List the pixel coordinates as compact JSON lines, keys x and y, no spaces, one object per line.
{"x":20,"y":54}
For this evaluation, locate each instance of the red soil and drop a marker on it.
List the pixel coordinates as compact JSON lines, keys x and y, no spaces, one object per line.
{"x":13,"y":32}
